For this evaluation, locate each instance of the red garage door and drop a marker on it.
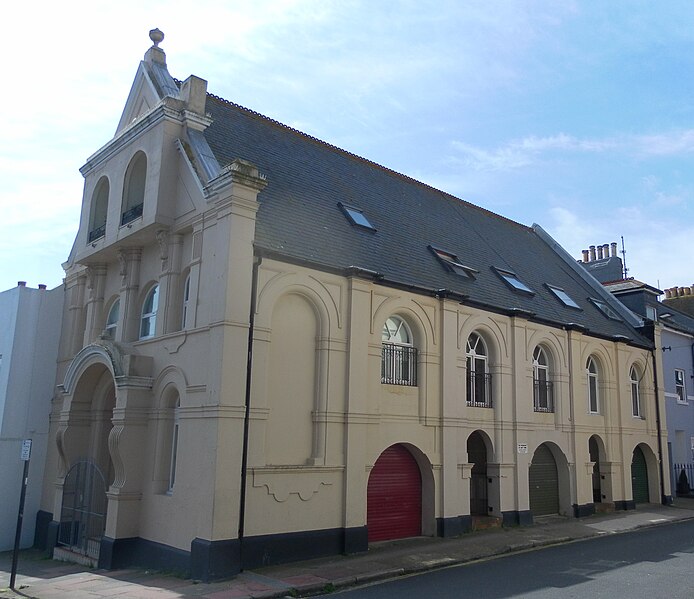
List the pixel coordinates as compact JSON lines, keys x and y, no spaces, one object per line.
{"x":394,"y":496}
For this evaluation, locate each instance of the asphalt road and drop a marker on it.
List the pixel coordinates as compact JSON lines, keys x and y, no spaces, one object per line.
{"x":651,"y":563}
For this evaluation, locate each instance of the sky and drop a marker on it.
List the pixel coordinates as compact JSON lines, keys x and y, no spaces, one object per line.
{"x":577,"y":116}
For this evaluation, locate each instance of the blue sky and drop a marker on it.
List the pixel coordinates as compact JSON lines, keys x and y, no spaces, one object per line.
{"x":578,"y":116}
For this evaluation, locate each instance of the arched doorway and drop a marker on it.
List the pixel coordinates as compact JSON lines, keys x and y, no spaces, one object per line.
{"x":477,"y":456}
{"x":90,"y":471}
{"x":594,"y":452}
{"x":543,"y":480}
{"x":394,"y":496}
{"x":639,"y":476}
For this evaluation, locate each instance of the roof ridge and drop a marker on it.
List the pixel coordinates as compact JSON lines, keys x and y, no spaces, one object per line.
{"x":352,"y":155}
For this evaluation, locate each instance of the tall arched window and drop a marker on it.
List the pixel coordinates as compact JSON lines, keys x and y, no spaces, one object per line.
{"x":174,"y":446}
{"x":398,"y":355}
{"x":479,"y":383}
{"x":112,"y":320}
{"x":593,"y":386}
{"x":149,"y":313}
{"x":543,"y":396}
{"x":134,"y":188}
{"x":635,"y":392}
{"x":186,"y":299}
{"x":98,"y":210}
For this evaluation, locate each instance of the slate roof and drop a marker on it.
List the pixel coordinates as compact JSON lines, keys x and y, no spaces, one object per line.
{"x":299,"y":220}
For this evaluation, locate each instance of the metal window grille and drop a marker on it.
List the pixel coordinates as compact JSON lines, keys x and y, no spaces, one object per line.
{"x":399,"y":365}
{"x":543,"y":396}
{"x":97,"y":233}
{"x":479,"y":389}
{"x":131,"y":215}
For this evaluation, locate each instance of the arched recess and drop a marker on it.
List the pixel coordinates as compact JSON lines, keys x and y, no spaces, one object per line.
{"x":292,"y":381}
{"x":548,"y":481}
{"x":600,"y":482}
{"x":423,"y":335}
{"x":555,"y":348}
{"x":494,"y":337}
{"x":87,"y":466}
{"x":98,"y":210}
{"x":644,"y":477}
{"x":169,"y":394}
{"x":134,"y":184}
{"x":479,"y":451}
{"x":400,"y":494}
{"x":313,"y":298}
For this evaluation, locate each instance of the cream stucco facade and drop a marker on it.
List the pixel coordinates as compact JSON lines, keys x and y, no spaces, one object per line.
{"x":244,"y":426}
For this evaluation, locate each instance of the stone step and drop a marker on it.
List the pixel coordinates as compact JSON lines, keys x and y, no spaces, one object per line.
{"x":485,"y":522}
{"x":604,"y":507}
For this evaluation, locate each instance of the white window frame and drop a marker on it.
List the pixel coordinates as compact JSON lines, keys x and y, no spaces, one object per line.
{"x":186,"y":300}
{"x":149,"y":313}
{"x":174,"y":447}
{"x":680,"y":386}
{"x":634,"y":383}
{"x":111,"y":327}
{"x":541,"y":366}
{"x":476,"y":356}
{"x":593,"y":382}
{"x":396,"y":334}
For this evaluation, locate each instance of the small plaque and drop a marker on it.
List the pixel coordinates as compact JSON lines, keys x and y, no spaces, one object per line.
{"x":26,"y":450}
{"x":522,"y":448}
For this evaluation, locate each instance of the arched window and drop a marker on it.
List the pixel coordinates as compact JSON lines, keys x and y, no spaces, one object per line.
{"x":398,"y":356}
{"x":98,"y":210}
{"x":112,"y":320}
{"x":543,"y":392}
{"x":479,"y":383}
{"x":593,"y":385}
{"x":174,"y":447}
{"x":134,"y":188}
{"x":635,"y":392}
{"x":186,"y":299}
{"x":149,"y":313}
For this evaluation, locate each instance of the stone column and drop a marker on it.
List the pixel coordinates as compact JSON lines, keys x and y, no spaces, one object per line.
{"x":130,"y":308}
{"x":96,"y":277}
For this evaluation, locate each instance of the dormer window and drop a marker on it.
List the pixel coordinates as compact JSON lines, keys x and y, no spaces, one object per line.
{"x":134,"y":189}
{"x":356,"y":216}
{"x":452,"y":263}
{"x":513,"y":281}
{"x":98,"y":211}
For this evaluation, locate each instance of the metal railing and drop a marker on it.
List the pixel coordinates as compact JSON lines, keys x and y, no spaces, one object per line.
{"x":479,"y":389}
{"x":131,"y":215}
{"x":684,"y":479}
{"x":543,"y":396}
{"x":399,"y":365}
{"x":96,"y":233}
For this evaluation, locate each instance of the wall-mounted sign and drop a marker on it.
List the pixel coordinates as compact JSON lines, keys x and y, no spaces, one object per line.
{"x":522,"y":448}
{"x":26,"y":450}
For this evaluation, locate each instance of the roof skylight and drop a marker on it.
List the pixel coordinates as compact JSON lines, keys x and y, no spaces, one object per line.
{"x":356,"y":216}
{"x":452,"y":263}
{"x":563,"y":297}
{"x":513,"y":281}
{"x":605,"y":309}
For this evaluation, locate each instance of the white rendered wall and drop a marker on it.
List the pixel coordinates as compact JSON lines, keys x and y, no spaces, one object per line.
{"x":29,"y":333}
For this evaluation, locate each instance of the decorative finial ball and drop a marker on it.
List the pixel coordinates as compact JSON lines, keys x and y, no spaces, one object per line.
{"x":156,"y":36}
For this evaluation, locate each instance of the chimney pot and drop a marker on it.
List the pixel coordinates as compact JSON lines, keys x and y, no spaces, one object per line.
{"x":592,"y":253}
{"x":687,"y":290}
{"x":680,"y":292}
{"x":606,"y":251}
{"x":21,"y":283}
{"x":600,"y":248}
{"x":667,"y":294}
{"x":42,"y":285}
{"x":614,"y":248}
{"x":585,"y":255}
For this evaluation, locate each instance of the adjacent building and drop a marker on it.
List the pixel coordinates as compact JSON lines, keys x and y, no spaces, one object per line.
{"x":29,"y":333}
{"x":274,"y":349}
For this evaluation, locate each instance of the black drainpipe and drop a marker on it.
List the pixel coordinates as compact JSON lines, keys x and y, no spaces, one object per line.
{"x":664,"y":500}
{"x":246,"y":418}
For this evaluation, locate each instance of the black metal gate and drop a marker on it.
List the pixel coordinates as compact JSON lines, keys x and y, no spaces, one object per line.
{"x":83,"y":513}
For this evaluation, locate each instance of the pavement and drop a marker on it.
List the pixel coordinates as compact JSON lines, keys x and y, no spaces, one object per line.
{"x":40,"y":577}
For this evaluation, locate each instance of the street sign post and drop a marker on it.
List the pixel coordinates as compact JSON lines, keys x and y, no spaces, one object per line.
{"x":25,"y":457}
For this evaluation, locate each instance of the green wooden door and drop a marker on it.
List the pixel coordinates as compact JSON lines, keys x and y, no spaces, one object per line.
{"x":544,"y":483}
{"x":639,"y":477}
